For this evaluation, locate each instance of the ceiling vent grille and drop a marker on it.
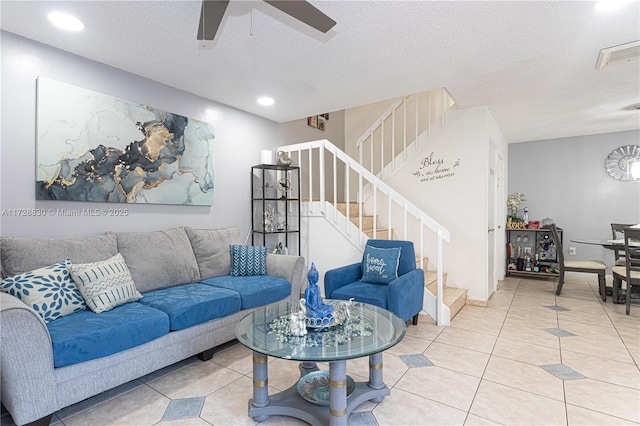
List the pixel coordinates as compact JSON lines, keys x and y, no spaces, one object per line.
{"x":617,"y":55}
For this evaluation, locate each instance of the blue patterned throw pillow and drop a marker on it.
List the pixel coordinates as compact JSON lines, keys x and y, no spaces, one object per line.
{"x":380,"y":265}
{"x":105,"y":284}
{"x":50,"y":291}
{"x":248,"y":260}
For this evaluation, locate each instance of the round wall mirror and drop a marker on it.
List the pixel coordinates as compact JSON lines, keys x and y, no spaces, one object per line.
{"x":620,"y":163}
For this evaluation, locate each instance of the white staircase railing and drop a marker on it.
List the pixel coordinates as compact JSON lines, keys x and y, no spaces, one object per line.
{"x":399,"y":126}
{"x":321,"y":163}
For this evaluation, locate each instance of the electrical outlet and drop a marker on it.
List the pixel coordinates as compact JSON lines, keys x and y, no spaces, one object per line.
{"x":572,"y":251}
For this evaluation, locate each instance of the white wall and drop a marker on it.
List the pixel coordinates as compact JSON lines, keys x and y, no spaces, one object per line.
{"x":239,"y":138}
{"x":565,"y":180}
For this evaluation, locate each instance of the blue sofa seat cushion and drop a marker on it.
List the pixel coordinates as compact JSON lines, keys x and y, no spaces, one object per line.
{"x":85,"y":335}
{"x":192,"y":304}
{"x":373,"y":294}
{"x":255,"y":290}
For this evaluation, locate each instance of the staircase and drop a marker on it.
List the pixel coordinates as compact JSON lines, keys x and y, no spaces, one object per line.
{"x":453,"y":298}
{"x":343,"y":188}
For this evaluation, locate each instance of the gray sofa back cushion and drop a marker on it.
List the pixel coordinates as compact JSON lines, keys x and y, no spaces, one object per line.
{"x":211,"y":248}
{"x":158,"y":259}
{"x":26,"y":254}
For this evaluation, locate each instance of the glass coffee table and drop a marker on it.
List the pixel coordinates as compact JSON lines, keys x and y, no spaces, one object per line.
{"x":319,"y":397}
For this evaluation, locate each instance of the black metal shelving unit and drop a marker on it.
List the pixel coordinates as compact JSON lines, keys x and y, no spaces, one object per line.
{"x":275,"y":207}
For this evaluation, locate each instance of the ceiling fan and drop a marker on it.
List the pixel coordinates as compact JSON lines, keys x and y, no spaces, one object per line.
{"x":212,"y":12}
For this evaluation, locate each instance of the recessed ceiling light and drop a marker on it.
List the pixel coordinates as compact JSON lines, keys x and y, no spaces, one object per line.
{"x":266,"y":101}
{"x":65,"y":21}
{"x":609,"y":5}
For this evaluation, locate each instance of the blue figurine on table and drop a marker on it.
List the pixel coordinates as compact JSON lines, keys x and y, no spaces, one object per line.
{"x":316,"y":308}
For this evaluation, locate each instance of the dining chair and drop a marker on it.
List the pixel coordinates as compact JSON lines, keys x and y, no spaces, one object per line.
{"x":588,"y":266}
{"x":617,"y":232}
{"x":630,"y":272}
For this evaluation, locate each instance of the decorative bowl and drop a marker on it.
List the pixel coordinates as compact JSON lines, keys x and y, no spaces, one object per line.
{"x":314,"y":387}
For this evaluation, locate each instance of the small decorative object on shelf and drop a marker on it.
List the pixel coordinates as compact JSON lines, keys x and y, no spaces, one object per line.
{"x":278,"y":249}
{"x":297,"y":323}
{"x":285,"y":187}
{"x":269,"y":216}
{"x":283,"y":159}
{"x":513,"y":202}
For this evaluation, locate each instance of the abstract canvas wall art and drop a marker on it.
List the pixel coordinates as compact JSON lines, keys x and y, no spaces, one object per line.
{"x":95,"y":147}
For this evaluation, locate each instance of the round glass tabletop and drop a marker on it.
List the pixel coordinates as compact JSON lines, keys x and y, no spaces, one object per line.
{"x":368,"y":330}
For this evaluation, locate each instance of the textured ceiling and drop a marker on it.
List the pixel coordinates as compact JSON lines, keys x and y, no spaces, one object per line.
{"x":531,"y":63}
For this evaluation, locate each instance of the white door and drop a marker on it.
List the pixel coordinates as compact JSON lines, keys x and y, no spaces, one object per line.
{"x":493,"y":183}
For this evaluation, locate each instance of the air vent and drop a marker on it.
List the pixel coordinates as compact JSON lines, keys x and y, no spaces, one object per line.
{"x":617,"y":55}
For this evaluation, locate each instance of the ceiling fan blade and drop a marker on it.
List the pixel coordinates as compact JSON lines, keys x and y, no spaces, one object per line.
{"x":305,"y":12}
{"x":211,"y":15}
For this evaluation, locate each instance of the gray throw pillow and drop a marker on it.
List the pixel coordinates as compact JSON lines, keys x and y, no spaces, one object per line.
{"x":211,"y":248}
{"x":158,"y":259}
{"x":21,"y":255}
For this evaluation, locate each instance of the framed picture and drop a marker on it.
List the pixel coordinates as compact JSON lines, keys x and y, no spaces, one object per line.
{"x":311,"y":121}
{"x":318,"y":121}
{"x":95,"y":147}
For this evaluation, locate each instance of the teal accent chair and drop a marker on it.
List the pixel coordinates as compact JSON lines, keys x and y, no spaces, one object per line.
{"x":403,"y":296}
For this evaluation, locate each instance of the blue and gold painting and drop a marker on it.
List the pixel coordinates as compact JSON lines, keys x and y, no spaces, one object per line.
{"x":95,"y":147}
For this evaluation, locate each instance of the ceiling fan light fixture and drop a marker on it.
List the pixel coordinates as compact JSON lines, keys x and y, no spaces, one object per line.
{"x":65,"y":21}
{"x":266,"y":101}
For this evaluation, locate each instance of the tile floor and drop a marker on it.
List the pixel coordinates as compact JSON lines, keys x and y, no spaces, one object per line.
{"x":528,"y":358}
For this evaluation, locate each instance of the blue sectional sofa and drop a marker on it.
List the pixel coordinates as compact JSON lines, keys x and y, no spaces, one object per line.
{"x":190,"y":303}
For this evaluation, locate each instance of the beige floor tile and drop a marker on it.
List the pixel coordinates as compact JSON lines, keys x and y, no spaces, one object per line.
{"x":509,"y":406}
{"x":591,"y":304}
{"x":441,"y":385}
{"x":578,"y":416}
{"x":457,"y":359}
{"x":481,"y":313}
{"x":629,"y":322}
{"x":473,"y":420}
{"x":237,"y":357}
{"x":142,"y":406}
{"x":405,"y":408}
{"x":477,"y":325}
{"x":528,"y":334}
{"x":197,"y":379}
{"x":523,"y":376}
{"x":393,"y":368}
{"x":604,"y":331}
{"x":467,"y":339}
{"x":503,"y":303}
{"x":601,"y":319}
{"x":424,"y":329}
{"x":606,"y":370}
{"x":607,"y":349}
{"x":229,"y":404}
{"x":631,"y":338}
{"x":409,"y":345}
{"x":284,"y":373}
{"x":614,"y":400}
{"x":526,"y":352}
{"x":531,"y":320}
